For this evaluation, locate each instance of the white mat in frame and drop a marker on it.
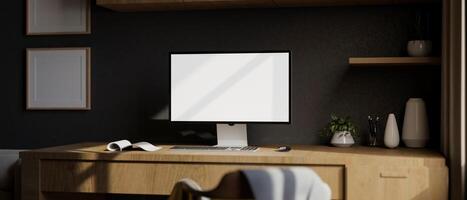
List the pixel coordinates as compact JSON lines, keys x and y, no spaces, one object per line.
{"x":58,"y":79}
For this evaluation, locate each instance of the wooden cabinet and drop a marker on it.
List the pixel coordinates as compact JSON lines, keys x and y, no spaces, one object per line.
{"x":143,"y":178}
{"x":131,"y":5}
{"x":356,"y":173}
{"x":157,"y":5}
{"x":303,"y":3}
{"x":160,"y":5}
{"x":397,"y":182}
{"x":225,"y":4}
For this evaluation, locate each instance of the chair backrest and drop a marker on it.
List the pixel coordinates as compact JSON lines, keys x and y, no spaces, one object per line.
{"x":233,"y":185}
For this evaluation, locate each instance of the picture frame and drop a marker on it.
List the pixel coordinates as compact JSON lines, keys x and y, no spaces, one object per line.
{"x":58,"y":78}
{"x":58,"y":17}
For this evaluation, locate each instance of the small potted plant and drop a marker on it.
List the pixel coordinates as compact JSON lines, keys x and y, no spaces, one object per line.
{"x":342,"y":131}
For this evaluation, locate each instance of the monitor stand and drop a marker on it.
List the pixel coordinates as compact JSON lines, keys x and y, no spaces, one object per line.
{"x":231,"y":135}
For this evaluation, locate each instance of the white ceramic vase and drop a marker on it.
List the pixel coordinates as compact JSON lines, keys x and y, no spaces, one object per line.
{"x":419,"y":48}
{"x":391,"y":133}
{"x":415,"y":132}
{"x":342,"y":139}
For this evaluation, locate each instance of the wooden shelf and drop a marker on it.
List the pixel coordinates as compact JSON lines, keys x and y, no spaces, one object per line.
{"x":394,"y":61}
{"x":162,"y":5}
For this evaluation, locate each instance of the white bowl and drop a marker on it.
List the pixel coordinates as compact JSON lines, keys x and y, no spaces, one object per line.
{"x":419,"y":48}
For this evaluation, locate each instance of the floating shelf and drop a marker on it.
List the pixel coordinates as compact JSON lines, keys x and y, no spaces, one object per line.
{"x":162,"y":5}
{"x":394,"y":61}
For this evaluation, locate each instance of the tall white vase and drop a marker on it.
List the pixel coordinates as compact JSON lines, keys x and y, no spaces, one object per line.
{"x":415,"y":132}
{"x":391,"y":133}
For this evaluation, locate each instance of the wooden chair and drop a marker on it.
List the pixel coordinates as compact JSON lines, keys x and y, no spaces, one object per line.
{"x":233,"y":185}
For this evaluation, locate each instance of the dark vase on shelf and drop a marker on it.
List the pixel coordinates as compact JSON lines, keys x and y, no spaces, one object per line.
{"x":373,"y":130}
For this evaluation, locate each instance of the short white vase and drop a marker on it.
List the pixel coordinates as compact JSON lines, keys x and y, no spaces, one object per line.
{"x":391,"y":133}
{"x":342,"y":139}
{"x":415,"y":132}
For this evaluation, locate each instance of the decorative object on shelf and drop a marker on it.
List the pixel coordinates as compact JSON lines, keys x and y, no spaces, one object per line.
{"x":391,"y":133}
{"x":415,"y":132}
{"x":373,"y":130}
{"x":342,"y":130}
{"x":342,"y":139}
{"x":58,"y":17}
{"x":420,"y":45}
{"x":58,"y":79}
{"x":419,"y":48}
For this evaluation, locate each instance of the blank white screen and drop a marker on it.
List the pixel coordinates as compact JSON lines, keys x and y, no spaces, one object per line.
{"x":230,"y":87}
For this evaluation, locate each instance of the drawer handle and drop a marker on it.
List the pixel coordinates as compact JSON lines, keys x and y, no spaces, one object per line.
{"x":392,"y":175}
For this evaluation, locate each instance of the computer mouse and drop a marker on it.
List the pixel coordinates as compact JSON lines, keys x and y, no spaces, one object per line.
{"x":283,"y":149}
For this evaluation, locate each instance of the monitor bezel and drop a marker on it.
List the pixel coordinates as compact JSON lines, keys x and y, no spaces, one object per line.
{"x":229,"y":52}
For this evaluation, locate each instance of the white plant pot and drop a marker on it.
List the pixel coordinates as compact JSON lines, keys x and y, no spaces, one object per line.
{"x":419,"y":48}
{"x":342,"y":139}
{"x":415,"y":132}
{"x":391,"y":133}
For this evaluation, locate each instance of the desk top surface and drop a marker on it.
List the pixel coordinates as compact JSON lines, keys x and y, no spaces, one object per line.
{"x":300,"y":154}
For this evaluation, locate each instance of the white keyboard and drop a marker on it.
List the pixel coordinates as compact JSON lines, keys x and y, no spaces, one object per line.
{"x":214,"y":148}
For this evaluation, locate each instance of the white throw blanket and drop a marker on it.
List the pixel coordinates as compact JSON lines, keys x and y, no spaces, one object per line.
{"x":293,"y":183}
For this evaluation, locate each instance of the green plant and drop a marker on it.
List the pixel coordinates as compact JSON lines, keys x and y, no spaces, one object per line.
{"x":340,"y":124}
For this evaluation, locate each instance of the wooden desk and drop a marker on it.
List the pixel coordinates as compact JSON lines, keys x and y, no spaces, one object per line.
{"x":86,"y":170}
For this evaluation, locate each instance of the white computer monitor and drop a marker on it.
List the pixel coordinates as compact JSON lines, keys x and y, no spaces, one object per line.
{"x":231,"y":90}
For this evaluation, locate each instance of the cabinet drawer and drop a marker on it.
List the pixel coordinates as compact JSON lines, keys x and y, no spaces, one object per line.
{"x":151,"y":178}
{"x":396,"y":182}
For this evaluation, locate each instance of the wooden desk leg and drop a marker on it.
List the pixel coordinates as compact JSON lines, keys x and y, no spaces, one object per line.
{"x":30,"y":179}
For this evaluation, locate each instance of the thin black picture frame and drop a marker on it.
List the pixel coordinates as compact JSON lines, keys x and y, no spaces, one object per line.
{"x":229,"y":52}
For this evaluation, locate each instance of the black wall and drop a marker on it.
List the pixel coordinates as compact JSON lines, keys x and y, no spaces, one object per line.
{"x":130,"y":71}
